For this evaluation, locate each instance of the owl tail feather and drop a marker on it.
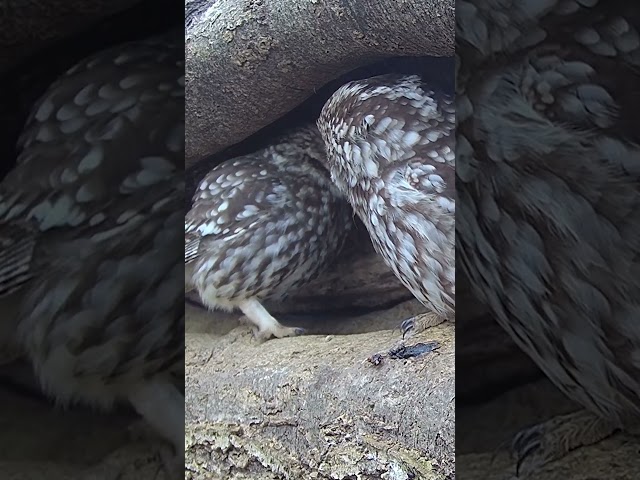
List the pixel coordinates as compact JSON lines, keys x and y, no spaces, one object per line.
{"x":191,"y":244}
{"x":16,"y":251}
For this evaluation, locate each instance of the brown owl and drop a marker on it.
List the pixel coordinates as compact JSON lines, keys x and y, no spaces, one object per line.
{"x":549,"y":182}
{"x":263,"y":225}
{"x":87,"y":218}
{"x":390,"y":150}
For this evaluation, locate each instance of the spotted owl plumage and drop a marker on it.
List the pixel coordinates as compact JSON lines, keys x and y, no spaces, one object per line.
{"x":87,"y":217}
{"x":549,"y":182}
{"x":263,"y":225}
{"x":390,"y":150}
{"x":104,"y":118}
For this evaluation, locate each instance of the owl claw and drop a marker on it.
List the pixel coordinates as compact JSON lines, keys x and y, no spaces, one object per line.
{"x":525,"y":445}
{"x":170,"y":460}
{"x":407,"y":326}
{"x":537,"y":446}
{"x":265,"y":326}
{"x":419,"y":323}
{"x":277,"y":331}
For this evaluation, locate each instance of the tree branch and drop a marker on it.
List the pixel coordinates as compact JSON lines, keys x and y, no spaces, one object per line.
{"x":308,"y":407}
{"x":250,"y":62}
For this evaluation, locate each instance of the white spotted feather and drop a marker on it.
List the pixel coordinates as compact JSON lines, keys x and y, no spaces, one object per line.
{"x":262,"y":226}
{"x":390,"y":145}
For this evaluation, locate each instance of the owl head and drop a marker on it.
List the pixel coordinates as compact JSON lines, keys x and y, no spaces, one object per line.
{"x":368,"y":124}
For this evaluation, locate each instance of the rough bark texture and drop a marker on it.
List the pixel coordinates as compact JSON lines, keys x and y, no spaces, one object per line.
{"x":40,"y":441}
{"x":309,"y":407}
{"x":314,"y":407}
{"x":250,"y":62}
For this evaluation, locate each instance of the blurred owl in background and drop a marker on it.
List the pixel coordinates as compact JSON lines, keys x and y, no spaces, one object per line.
{"x":548,"y":177}
{"x":89,"y":218}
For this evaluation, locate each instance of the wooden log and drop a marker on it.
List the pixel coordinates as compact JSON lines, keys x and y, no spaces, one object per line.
{"x":314,"y":406}
{"x":250,"y":62}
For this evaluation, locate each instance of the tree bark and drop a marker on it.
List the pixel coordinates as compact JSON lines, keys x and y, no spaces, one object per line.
{"x":314,"y":407}
{"x":250,"y":62}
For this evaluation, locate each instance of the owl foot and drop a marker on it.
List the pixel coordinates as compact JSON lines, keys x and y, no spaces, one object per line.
{"x":265,"y":325}
{"x":170,"y":460}
{"x":279,"y":331}
{"x":162,"y":406}
{"x":541,"y":444}
{"x":420,"y":323}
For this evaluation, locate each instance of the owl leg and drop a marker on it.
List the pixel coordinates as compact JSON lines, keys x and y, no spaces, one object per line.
{"x":266,"y":325}
{"x":420,"y":323}
{"x":162,"y":406}
{"x":536,"y":446}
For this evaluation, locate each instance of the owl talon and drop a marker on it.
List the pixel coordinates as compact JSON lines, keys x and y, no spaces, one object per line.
{"x":265,"y":325}
{"x":277,"y":331}
{"x":541,"y":444}
{"x":169,"y":458}
{"x":419,"y":323}
{"x":407,"y":326}
{"x":172,"y":462}
{"x":525,"y":445}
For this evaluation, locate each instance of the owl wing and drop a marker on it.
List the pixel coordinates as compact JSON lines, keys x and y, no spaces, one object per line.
{"x":425,"y":176}
{"x":111,"y":126}
{"x":232,"y":198}
{"x":107,"y":303}
{"x":421,"y":196}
